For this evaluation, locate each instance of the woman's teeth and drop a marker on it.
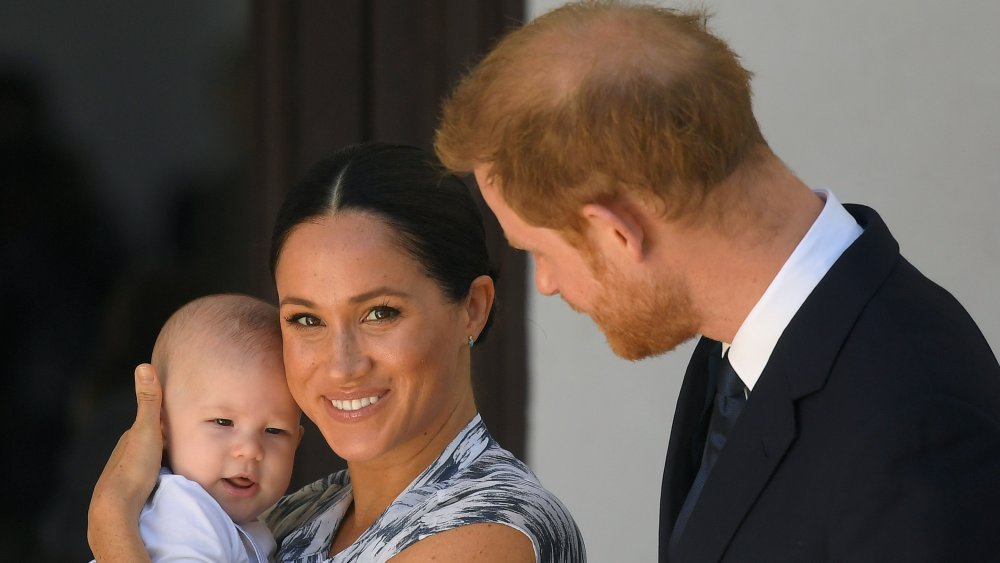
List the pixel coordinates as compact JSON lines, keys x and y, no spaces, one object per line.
{"x":354,"y":404}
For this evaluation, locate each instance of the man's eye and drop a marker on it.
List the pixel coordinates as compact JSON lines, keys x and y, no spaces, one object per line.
{"x":223,"y":422}
{"x":275,"y":431}
{"x":381,"y":313}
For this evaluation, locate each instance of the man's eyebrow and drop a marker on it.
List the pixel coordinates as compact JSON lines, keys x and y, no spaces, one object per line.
{"x":512,"y":243}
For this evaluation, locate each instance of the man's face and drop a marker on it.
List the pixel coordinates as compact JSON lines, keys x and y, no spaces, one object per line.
{"x":641,"y":315}
{"x":560,"y":268}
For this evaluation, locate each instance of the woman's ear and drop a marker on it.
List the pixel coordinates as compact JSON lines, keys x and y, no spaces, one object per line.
{"x":616,"y":227}
{"x":478,"y":304}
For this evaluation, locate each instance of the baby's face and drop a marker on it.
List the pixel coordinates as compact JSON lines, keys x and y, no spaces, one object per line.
{"x":232,"y":426}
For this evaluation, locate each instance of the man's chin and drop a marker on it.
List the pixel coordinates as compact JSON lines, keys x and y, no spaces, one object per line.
{"x":634,"y":347}
{"x":635,"y":353}
{"x":574,"y":307}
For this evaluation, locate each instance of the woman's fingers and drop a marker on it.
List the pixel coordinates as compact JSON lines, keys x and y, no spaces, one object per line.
{"x":149,"y":396}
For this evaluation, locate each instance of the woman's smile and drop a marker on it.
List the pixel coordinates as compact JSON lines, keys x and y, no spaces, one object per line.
{"x":358,"y":409}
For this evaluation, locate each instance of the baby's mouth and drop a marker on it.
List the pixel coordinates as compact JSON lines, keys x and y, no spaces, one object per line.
{"x":239,"y":482}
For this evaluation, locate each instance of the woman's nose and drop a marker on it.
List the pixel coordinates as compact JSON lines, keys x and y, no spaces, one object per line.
{"x":348,"y":358}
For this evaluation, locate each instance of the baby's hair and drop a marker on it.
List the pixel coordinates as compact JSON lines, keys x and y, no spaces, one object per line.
{"x":246,"y":322}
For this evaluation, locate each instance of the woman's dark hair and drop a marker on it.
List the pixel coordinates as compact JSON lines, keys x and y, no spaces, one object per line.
{"x":432,"y":213}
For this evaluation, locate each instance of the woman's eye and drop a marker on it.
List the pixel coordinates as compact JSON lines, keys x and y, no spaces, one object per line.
{"x":223,"y":422}
{"x":303,"y":319}
{"x":381,"y":313}
{"x":274,"y":431}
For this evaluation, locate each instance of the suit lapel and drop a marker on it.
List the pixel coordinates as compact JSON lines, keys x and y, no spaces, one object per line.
{"x":687,"y":439}
{"x":799,"y":366}
{"x":760,"y":439}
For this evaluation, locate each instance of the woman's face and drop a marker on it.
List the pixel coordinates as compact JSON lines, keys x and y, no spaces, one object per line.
{"x":375,"y":354}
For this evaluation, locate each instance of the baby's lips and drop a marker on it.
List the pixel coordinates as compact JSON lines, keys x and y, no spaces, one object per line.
{"x":241,"y":481}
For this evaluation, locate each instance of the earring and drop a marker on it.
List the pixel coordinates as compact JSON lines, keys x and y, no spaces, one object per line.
{"x":472,"y":342}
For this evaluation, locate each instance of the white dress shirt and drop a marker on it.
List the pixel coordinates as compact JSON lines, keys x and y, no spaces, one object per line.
{"x":830,"y":235}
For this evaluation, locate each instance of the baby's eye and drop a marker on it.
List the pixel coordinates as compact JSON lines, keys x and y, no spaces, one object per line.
{"x":303,"y":319}
{"x":277,"y":431}
{"x":381,"y":313}
{"x":223,"y":422}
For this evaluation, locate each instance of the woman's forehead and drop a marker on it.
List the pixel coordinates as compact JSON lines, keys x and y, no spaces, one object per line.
{"x":347,"y":253}
{"x":342,"y":235}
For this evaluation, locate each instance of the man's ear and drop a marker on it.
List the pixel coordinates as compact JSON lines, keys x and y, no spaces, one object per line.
{"x":478,"y":304}
{"x":616,"y":226}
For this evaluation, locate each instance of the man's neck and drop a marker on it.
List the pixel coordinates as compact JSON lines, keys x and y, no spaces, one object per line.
{"x":731,"y":265}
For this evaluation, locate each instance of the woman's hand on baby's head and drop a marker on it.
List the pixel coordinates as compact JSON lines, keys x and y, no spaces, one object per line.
{"x":130,"y":474}
{"x":135,"y":462}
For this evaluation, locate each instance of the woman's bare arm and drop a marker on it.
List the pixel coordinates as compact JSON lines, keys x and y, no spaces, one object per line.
{"x":480,"y":543}
{"x":128,"y":479}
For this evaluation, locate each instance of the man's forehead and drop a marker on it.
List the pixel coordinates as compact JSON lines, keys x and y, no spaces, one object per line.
{"x":515,"y":229}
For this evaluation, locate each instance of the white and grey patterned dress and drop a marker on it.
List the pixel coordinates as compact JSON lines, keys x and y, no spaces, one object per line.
{"x":473,"y":481}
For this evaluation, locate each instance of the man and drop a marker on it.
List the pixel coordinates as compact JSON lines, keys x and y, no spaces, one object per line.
{"x":839,"y":406}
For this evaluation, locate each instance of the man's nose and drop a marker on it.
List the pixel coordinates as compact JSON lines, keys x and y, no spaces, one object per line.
{"x":544,"y":281}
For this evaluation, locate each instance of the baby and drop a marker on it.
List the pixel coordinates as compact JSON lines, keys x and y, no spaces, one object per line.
{"x":230,"y":428}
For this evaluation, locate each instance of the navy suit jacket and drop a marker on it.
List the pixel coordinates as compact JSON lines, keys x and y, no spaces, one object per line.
{"x":873,"y":433}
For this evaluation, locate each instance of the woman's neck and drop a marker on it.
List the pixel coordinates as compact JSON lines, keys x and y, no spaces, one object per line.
{"x":377,"y":483}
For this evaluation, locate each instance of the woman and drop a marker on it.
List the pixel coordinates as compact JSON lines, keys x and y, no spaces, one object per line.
{"x":383,"y":285}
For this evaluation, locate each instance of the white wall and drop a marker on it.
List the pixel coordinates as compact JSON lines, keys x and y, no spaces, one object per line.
{"x":895,"y":104}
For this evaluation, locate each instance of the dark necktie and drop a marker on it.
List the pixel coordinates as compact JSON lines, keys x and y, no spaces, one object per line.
{"x":730,"y":396}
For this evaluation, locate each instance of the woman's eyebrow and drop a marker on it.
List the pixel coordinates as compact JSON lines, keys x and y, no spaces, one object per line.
{"x":377,"y":292}
{"x":291,"y":300}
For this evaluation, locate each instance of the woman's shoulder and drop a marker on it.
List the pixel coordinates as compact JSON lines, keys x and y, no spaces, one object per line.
{"x":498,"y":488}
{"x":500,"y":472}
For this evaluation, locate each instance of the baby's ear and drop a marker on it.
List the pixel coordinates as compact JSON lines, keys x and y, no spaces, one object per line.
{"x":302,"y":432}
{"x":165,"y":459}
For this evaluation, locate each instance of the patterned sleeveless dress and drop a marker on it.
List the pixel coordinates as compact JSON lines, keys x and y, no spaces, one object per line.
{"x":473,"y":481}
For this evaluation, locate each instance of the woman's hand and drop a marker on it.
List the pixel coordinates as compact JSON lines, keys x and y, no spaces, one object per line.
{"x":128,"y":479}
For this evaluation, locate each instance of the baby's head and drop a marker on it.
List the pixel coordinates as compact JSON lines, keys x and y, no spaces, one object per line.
{"x":229,"y":422}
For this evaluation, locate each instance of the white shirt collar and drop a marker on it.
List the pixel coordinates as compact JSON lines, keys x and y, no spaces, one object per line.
{"x":830,"y":235}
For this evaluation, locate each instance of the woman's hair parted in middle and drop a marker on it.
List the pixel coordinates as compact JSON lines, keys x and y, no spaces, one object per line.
{"x":431,"y":212}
